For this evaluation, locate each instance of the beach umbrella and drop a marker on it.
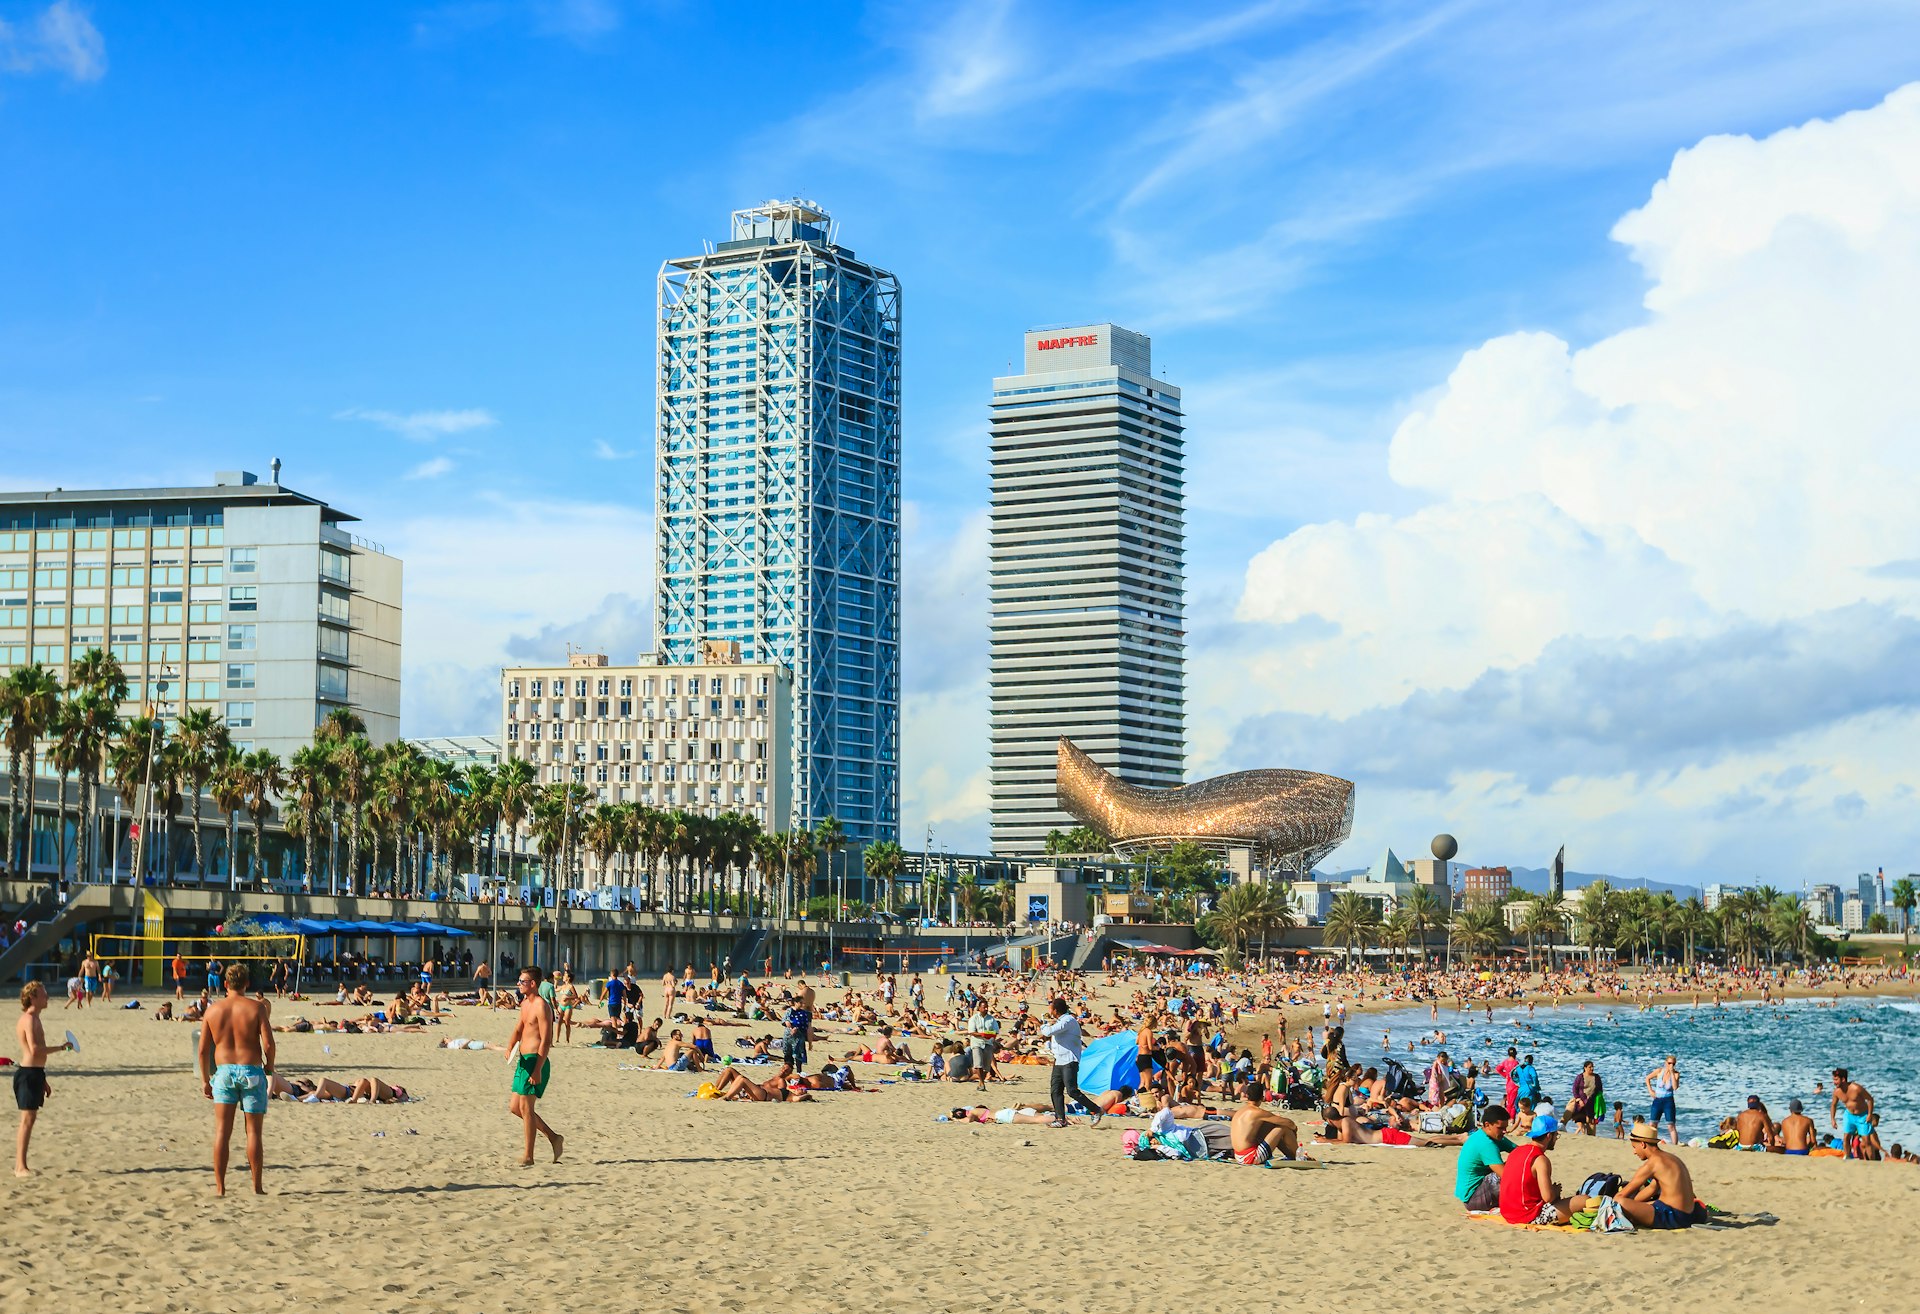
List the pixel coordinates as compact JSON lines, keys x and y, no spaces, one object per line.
{"x":1110,"y":1063}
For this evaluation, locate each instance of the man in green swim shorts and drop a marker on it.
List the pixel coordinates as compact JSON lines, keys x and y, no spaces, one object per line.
{"x":236,"y":1054}
{"x":532,"y":1069}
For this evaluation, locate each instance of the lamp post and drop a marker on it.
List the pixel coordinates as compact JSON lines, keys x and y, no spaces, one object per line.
{"x":143,"y":809}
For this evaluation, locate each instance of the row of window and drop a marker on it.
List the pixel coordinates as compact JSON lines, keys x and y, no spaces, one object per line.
{"x":558,"y":709}
{"x":715,"y":686}
{"x":81,"y":540}
{"x":670,"y":731}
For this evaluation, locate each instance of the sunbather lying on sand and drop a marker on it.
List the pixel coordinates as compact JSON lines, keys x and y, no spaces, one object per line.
{"x":1018,"y":1113}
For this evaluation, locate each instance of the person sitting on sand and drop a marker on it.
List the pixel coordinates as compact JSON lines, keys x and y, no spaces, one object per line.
{"x":1796,"y":1130}
{"x":1476,"y":1182}
{"x":649,"y":1042}
{"x":678,"y":1055}
{"x":1752,"y":1127}
{"x":1528,"y":1193}
{"x":164,"y":1013}
{"x":1258,"y":1135}
{"x":1660,"y":1193}
{"x":758,"y":1050}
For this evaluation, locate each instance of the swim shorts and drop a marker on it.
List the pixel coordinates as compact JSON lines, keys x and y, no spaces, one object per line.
{"x":524,"y":1069}
{"x":1667,"y":1218}
{"x":1663,"y":1109}
{"x":1254,"y":1155}
{"x":1855,"y":1124}
{"x":244,"y":1084}
{"x":29,"y":1088}
{"x":93,"y":985}
{"x":1394,"y":1136}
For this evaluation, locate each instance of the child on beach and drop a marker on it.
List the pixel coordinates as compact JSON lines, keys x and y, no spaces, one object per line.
{"x":1619,"y":1122}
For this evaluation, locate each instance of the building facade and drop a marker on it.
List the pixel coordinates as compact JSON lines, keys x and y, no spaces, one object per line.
{"x":777,"y":514}
{"x":711,"y":737}
{"x":245,"y":598}
{"x":1087,"y":574}
{"x":1486,"y":885}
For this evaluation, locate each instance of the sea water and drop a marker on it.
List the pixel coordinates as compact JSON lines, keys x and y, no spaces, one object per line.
{"x":1776,"y":1051}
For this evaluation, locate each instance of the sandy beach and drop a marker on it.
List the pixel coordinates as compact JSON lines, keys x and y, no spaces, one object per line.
{"x":669,"y":1203}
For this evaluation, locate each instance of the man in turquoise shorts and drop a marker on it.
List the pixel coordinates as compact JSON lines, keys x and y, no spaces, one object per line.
{"x":1855,"y":1120}
{"x":532,"y":1038}
{"x":236,"y":1055}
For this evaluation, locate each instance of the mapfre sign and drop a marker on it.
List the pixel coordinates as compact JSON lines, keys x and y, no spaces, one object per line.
{"x":1079,"y":340}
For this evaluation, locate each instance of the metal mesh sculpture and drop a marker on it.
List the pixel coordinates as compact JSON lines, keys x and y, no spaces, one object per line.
{"x":1289,"y":819}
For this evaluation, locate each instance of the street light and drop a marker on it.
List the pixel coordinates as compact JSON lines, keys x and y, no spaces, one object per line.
{"x":142,"y":814}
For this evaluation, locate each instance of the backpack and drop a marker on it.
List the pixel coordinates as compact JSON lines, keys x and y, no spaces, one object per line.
{"x":1600,"y":1184}
{"x":1300,"y":1096}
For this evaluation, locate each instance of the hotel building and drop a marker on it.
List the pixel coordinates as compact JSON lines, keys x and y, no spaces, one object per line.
{"x":711,"y":737}
{"x":1087,"y":587}
{"x":777,"y":512}
{"x":249,"y":599}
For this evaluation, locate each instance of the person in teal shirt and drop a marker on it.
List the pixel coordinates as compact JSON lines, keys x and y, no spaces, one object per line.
{"x":1476,"y":1182}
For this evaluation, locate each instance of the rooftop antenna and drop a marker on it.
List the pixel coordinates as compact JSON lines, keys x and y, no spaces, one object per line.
{"x":275,"y":467}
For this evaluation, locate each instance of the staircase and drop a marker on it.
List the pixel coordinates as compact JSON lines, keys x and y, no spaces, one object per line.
{"x":48,"y":922}
{"x":745,"y":953}
{"x":1091,"y":953}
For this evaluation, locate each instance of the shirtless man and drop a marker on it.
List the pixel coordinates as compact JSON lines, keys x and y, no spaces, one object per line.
{"x":1856,"y":1129}
{"x":236,"y":1056}
{"x":1796,"y":1130}
{"x":532,"y":1068}
{"x":30,"y":1084}
{"x":1259,"y":1136}
{"x":1660,"y":1192}
{"x":1754,"y":1126}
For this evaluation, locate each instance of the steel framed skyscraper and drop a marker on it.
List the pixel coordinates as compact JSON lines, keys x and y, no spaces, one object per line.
{"x":777,"y":513}
{"x":1087,"y":586}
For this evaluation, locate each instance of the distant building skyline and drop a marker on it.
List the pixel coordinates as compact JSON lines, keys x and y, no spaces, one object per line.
{"x":777,"y":492}
{"x":1087,"y":581}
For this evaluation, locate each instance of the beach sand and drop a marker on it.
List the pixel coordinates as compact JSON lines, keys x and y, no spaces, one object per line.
{"x":857,"y":1201}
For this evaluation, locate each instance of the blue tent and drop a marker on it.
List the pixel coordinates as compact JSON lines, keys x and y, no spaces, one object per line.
{"x":435,"y":928}
{"x":1110,"y":1063}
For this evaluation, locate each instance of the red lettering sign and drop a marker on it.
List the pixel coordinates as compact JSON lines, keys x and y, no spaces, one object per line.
{"x":1055,"y":344}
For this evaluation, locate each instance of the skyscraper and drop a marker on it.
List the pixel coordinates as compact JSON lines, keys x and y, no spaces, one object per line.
{"x":777,"y":512}
{"x":1087,"y":588}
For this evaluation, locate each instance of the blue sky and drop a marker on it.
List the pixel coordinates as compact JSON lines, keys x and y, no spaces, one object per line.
{"x":410,"y":249}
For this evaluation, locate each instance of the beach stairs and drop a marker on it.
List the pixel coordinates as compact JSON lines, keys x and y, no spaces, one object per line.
{"x":1052,"y":947}
{"x":1091,"y":952}
{"x":747,"y":949}
{"x":48,"y":922}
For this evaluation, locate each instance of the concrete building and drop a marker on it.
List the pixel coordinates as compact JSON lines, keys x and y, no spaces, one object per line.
{"x":1854,"y":912}
{"x":1087,"y":584}
{"x":777,"y":512}
{"x":1823,"y":904}
{"x":249,"y":599}
{"x":711,"y":737}
{"x":1486,"y":885}
{"x":462,"y":751}
{"x":1714,"y":895}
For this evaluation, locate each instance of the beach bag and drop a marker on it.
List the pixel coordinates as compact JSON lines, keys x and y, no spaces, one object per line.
{"x":1600,"y":1184}
{"x":1459,"y":1117}
{"x":1433,"y":1122}
{"x":1300,"y":1096}
{"x":1130,"y":1141}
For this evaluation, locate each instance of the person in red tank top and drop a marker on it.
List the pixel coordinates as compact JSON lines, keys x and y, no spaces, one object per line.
{"x":1528,"y":1193}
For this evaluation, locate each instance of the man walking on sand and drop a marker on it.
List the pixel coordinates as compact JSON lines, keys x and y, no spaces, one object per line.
{"x":1064,"y":1045}
{"x":533,"y":1038}
{"x":236,"y":1057}
{"x":30,"y":1084}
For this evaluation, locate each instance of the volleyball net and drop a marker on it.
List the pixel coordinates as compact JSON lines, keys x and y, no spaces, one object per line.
{"x":197,"y":950}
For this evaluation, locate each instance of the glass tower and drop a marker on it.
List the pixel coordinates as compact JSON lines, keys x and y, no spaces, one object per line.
{"x":777,"y":493}
{"x":1087,"y":550}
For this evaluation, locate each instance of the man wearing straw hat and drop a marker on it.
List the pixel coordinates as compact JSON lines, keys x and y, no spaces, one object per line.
{"x":1660,"y":1193}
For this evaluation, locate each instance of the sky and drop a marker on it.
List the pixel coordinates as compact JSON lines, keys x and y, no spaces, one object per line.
{"x":1549,"y":369}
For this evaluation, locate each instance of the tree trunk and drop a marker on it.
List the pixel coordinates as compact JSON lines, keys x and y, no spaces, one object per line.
{"x":353,"y":849}
{"x":60,"y":828}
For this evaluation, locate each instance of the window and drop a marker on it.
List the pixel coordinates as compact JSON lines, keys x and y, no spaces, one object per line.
{"x":129,"y":615}
{"x":50,"y":579}
{"x":51,"y":540}
{"x":579,"y":688}
{"x":333,"y":684}
{"x":240,"y":638}
{"x":206,"y":574}
{"x":92,"y":577}
{"x":333,"y":608}
{"x":626,"y":688}
{"x":534,"y":690}
{"x":243,"y":597}
{"x":600,"y":707}
{"x":243,"y":561}
{"x":209,"y":536}
{"x":626,"y":709}
{"x":533,"y":731}
{"x":240,"y":675}
{"x":207,"y":650}
{"x":334,"y":567}
{"x":202,"y":690}
{"x":205,"y":613}
{"x":45,"y":616}
{"x":129,"y":538}
{"x":239,"y":716}
{"x":167,"y":653}
{"x":600,"y":689}
{"x":332,"y":645}
{"x":130,"y":576}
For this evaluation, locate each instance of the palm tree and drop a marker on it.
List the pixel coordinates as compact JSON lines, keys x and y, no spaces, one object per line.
{"x":1595,"y":915}
{"x":652,"y":831}
{"x":1905,"y":895}
{"x":396,"y":783}
{"x":1692,"y":923}
{"x":438,"y":805}
{"x":130,"y":759}
{"x":1542,"y":918}
{"x":513,"y":793}
{"x":478,"y":789}
{"x":103,"y":687}
{"x":66,"y":730}
{"x":1396,"y":932}
{"x":885,"y":860}
{"x":1351,"y":919}
{"x":335,"y":728}
{"x":830,"y":837}
{"x":29,"y":700}
{"x":169,"y":771}
{"x":260,"y":772}
{"x":229,"y":788}
{"x":352,"y":760}
{"x":602,"y":837}
{"x":1425,"y":912}
{"x":307,"y":776}
{"x":202,"y":738}
{"x":967,"y":891}
{"x":1479,"y":929}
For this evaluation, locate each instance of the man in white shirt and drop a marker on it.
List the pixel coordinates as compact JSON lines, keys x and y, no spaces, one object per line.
{"x":1064,"y":1045}
{"x":982,"y":1028}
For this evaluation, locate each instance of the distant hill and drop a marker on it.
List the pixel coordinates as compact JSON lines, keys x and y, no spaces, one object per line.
{"x":1534,"y":881}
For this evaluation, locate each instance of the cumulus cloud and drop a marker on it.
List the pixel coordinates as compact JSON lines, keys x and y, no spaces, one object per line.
{"x":1672,"y":549}
{"x":422,"y":426}
{"x":431,"y":469}
{"x":61,"y":38}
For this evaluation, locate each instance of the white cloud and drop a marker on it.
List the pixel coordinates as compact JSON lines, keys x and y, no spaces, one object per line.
{"x":431,"y":469}
{"x":1742,"y":455}
{"x":61,"y":38}
{"x":423,"y":426}
{"x":605,"y":451}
